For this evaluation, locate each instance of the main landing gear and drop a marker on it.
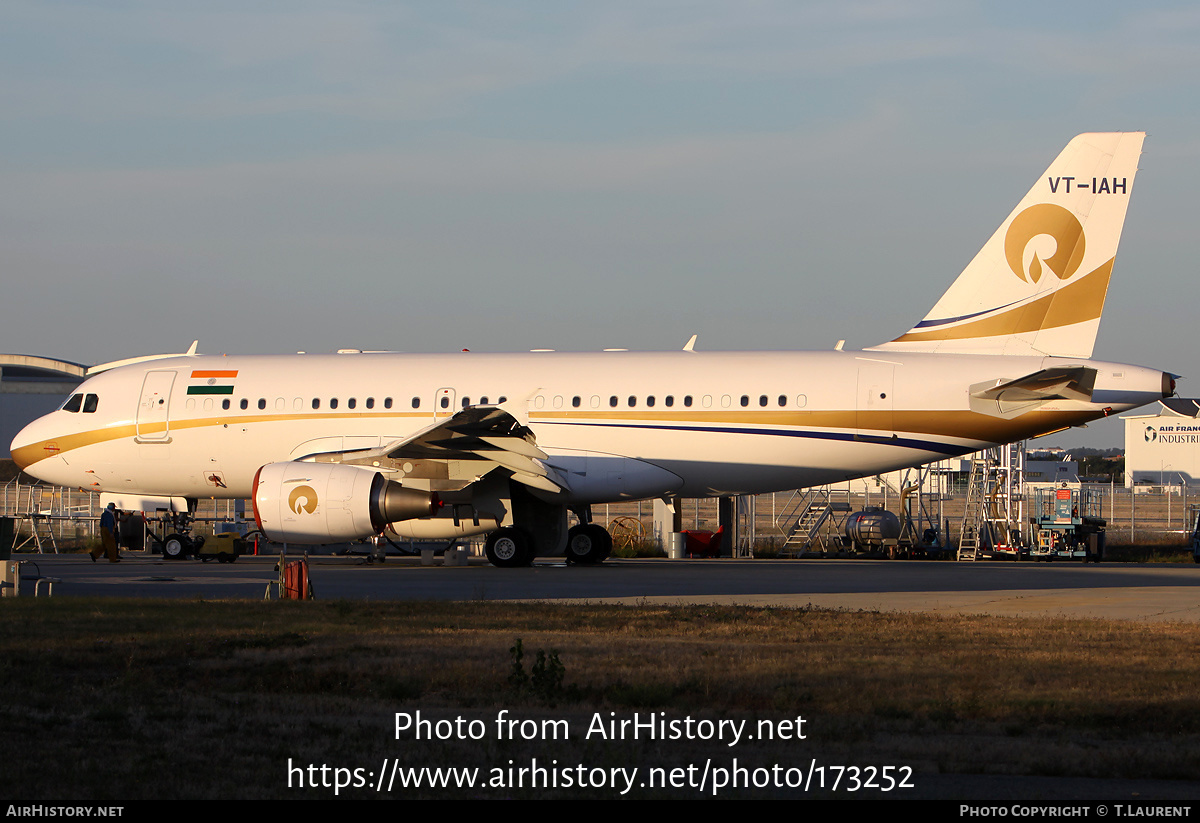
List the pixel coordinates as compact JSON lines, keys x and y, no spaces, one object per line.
{"x":509,"y":547}
{"x":588,"y":543}
{"x":512,"y":546}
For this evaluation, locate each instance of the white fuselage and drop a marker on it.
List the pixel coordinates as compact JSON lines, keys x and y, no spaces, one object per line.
{"x":718,"y":423}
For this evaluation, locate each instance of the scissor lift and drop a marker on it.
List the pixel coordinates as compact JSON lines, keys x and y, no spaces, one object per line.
{"x":1067,"y":524}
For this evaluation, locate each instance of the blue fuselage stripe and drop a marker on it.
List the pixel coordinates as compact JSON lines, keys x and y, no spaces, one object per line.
{"x":881,"y":440}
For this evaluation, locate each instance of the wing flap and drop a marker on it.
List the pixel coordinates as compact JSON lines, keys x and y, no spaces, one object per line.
{"x":455,"y":451}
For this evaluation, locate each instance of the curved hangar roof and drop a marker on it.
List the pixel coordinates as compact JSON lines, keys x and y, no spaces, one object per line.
{"x":31,"y":386}
{"x":30,"y":374}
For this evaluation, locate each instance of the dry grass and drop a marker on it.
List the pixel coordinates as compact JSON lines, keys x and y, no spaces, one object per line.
{"x":125,"y":699}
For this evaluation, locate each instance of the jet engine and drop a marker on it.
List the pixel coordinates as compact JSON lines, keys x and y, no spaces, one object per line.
{"x":298,"y":502}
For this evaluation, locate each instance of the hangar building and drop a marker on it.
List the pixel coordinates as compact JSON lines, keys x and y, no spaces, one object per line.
{"x":31,"y":386}
{"x":1163,"y":448}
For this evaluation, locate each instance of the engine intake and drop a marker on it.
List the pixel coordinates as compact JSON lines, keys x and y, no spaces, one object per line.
{"x":299,"y":502}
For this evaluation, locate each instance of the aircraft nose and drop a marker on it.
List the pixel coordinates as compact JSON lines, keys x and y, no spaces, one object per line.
{"x":28,"y":447}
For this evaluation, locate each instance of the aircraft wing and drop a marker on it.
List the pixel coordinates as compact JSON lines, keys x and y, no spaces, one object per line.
{"x":456,"y":451}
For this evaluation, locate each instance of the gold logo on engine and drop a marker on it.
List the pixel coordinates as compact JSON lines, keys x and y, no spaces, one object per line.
{"x":1052,"y":220}
{"x":303,"y":500}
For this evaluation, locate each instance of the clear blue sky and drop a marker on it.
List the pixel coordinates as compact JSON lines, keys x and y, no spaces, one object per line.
{"x":430,"y":176}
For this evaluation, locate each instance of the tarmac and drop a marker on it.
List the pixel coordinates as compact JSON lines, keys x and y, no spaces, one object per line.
{"x":1145,"y":592}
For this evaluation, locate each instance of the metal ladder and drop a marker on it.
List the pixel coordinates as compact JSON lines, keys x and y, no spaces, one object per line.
{"x":40,"y":517}
{"x":969,"y":536}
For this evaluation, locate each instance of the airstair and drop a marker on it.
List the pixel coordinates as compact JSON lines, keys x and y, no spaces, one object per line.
{"x":809,"y":517}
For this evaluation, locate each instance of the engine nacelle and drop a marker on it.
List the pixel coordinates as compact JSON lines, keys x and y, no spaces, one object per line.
{"x":297,"y":502}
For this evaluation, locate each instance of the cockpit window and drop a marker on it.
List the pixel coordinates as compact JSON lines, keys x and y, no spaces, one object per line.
{"x":73,"y":403}
{"x":89,"y":403}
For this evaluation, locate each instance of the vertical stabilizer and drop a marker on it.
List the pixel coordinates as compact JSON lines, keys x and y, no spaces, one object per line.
{"x":1038,"y":286}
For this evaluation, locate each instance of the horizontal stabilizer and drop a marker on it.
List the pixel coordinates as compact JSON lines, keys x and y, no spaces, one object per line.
{"x":1010,"y":398}
{"x":1062,"y":383}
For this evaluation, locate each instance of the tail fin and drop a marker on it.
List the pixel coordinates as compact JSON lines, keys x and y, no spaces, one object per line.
{"x":1038,"y":286}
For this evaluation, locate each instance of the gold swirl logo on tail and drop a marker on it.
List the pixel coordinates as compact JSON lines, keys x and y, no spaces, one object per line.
{"x":303,"y":499}
{"x":1060,"y":224}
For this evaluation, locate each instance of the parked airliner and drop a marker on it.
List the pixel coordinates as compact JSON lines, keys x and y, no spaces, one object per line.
{"x":350,"y":445}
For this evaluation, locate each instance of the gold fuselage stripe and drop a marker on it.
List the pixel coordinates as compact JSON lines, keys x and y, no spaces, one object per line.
{"x":964,"y":425}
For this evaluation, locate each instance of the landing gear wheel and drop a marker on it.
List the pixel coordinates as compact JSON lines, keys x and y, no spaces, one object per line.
{"x":588,"y":544}
{"x":175,"y":547}
{"x":508,"y":548}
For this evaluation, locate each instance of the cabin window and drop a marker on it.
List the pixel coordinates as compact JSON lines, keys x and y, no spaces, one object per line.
{"x":73,"y":404}
{"x":483,"y":400}
{"x":280,"y":404}
{"x":416,"y":403}
{"x":208,"y":404}
{"x":370,"y":402}
{"x":612,"y":401}
{"x":725,"y":401}
{"x":90,"y":402}
{"x":351,"y":403}
{"x":558,"y":401}
{"x":445,"y":402}
{"x":575,"y":401}
{"x":687,"y":400}
{"x":466,"y":401}
{"x":595,"y":401}
{"x":225,"y":404}
{"x":333,"y":402}
{"x":502,"y":399}
{"x":745,"y":400}
{"x":245,"y":404}
{"x":316,"y":403}
{"x":190,"y":404}
{"x":762,"y":400}
{"x":387,"y":402}
{"x":632,"y":401}
{"x":783,"y":400}
{"x":801,"y":400}
{"x":262,"y":402}
{"x":650,"y":400}
{"x":297,"y":404}
{"x":669,"y":400}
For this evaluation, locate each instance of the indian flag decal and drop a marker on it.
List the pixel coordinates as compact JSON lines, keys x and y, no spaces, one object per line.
{"x":215,"y":381}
